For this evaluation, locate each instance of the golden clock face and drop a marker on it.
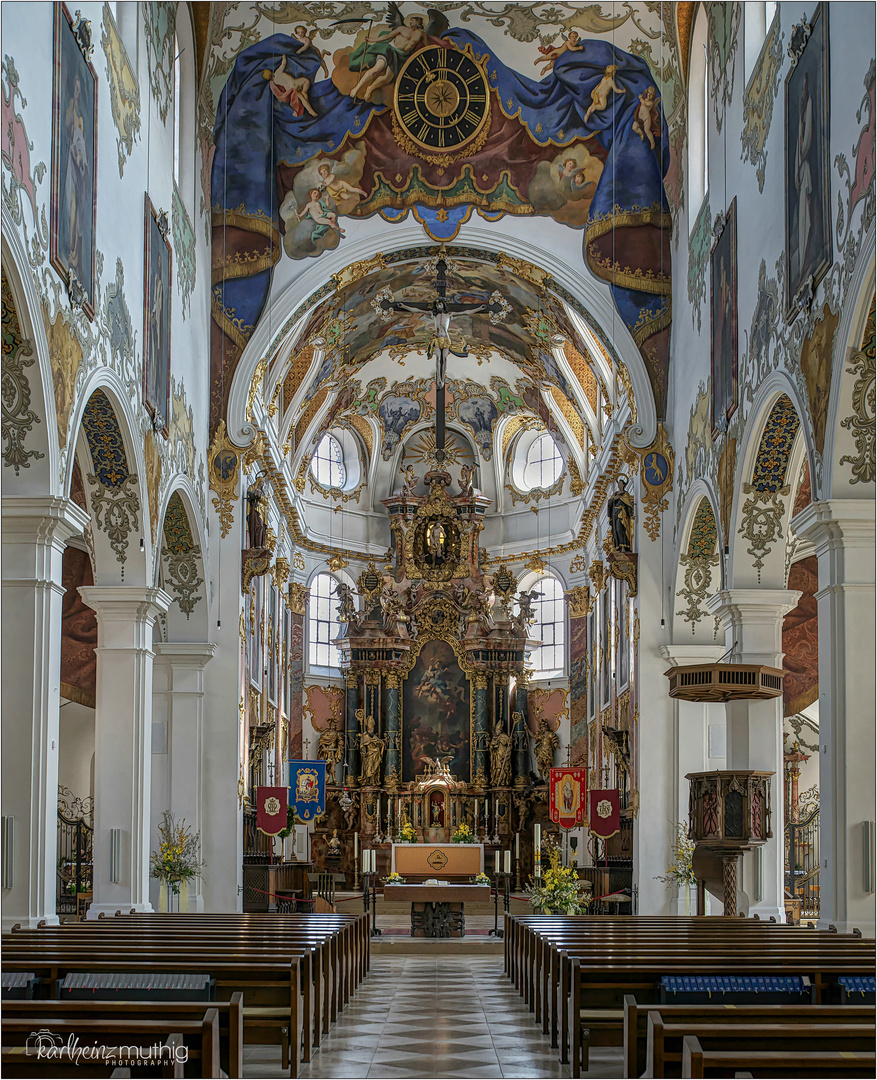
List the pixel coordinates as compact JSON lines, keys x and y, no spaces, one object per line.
{"x":441,"y":101}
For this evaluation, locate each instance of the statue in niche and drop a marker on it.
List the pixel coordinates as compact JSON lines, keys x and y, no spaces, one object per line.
{"x":501,"y":758}
{"x":371,"y":749}
{"x":257,"y":515}
{"x":467,"y":476}
{"x":334,"y":849}
{"x":547,"y":743}
{"x":330,"y":747}
{"x":346,"y":602}
{"x":436,"y":544}
{"x":620,"y":507}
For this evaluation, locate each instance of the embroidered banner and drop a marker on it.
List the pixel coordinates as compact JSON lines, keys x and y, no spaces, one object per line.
{"x":307,"y":786}
{"x":567,"y":787}
{"x":271,"y":810}
{"x":605,"y":812}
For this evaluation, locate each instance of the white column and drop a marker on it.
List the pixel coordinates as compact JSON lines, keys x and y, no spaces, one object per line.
{"x":35,"y":532}
{"x":695,"y":748}
{"x":126,"y":615}
{"x":842,"y":532}
{"x":178,"y":703}
{"x":752,"y":620}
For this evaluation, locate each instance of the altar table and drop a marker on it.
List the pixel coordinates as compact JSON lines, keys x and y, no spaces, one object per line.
{"x":437,"y":910}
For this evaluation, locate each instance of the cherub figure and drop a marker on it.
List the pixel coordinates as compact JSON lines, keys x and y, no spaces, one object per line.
{"x":646,"y":118}
{"x":600,"y":93}
{"x":337,"y":188}
{"x":292,"y":92}
{"x":346,"y":602}
{"x":307,"y":42}
{"x":380,"y":60}
{"x":317,"y":209}
{"x":568,"y":169}
{"x":550,"y":53}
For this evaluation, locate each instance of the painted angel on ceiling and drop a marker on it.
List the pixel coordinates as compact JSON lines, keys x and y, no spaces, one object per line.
{"x":380,"y":57}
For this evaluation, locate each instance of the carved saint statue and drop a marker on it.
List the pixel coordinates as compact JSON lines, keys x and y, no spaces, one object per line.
{"x":346,"y":602}
{"x":330,"y":747}
{"x":257,"y":515}
{"x":334,"y":848}
{"x":467,"y":475}
{"x":501,"y":758}
{"x":436,"y":542}
{"x":409,"y":482}
{"x":372,"y":749}
{"x":392,"y":609}
{"x":525,"y":608}
{"x":620,"y":508}
{"x":546,"y":744}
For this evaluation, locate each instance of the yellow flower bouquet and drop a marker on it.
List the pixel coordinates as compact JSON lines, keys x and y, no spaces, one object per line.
{"x":558,"y":891}
{"x":680,"y":871}
{"x":395,"y":879}
{"x":178,"y":857}
{"x":462,"y":834}
{"x":406,"y":834}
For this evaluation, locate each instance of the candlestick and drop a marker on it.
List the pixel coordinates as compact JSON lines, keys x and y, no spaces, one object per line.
{"x":475,"y":831}
{"x":366,"y":862}
{"x":517,"y":845}
{"x":496,"y":862}
{"x":537,"y":850}
{"x":508,"y":861}
{"x":356,"y":847}
{"x":374,"y":861}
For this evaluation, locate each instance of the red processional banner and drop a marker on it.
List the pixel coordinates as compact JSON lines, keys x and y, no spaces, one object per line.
{"x":566,"y":796}
{"x":605,"y":818}
{"x":271,"y":809}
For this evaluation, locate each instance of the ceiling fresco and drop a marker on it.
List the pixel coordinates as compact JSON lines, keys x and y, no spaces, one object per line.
{"x":327,"y":113}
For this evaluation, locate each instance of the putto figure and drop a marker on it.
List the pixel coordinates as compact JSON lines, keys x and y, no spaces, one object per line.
{"x":380,"y":59}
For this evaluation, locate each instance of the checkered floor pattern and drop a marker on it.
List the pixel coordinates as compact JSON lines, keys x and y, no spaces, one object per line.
{"x":443,"y":1016}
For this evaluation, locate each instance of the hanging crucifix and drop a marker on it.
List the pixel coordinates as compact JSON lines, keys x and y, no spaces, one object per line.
{"x":441,"y":309}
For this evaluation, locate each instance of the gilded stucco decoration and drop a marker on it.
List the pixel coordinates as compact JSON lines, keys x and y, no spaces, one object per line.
{"x":582,"y":371}
{"x":723,"y":36}
{"x":160,"y":19}
{"x":223,"y":468}
{"x":698,"y":562}
{"x":758,"y":101}
{"x":65,"y":353}
{"x":18,"y":417}
{"x":184,"y":249}
{"x":763,"y":511}
{"x":19,"y":178}
{"x":861,"y":422}
{"x":570,"y":414}
{"x":181,"y":556}
{"x":124,"y":88}
{"x":816,"y":355}
{"x":656,"y":474}
{"x":154,"y":469}
{"x":113,"y":495}
{"x":698,"y":261}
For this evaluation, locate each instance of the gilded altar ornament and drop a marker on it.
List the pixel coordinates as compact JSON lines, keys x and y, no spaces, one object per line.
{"x":281,"y":572}
{"x":297,"y":598}
{"x":347,"y":612}
{"x":501,"y":758}
{"x":656,"y":474}
{"x":256,"y":385}
{"x":579,"y":601}
{"x":597,"y":574}
{"x":223,"y":465}
{"x":336,"y":563}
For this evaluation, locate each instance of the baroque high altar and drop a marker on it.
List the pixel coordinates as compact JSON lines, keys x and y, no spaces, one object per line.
{"x":435,"y":723}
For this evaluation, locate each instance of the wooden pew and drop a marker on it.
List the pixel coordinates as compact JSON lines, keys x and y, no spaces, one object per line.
{"x":230,"y":1014}
{"x":664,"y":1039}
{"x":636,"y":1018}
{"x":271,"y":985}
{"x":698,"y":1062}
{"x":198,"y":1041}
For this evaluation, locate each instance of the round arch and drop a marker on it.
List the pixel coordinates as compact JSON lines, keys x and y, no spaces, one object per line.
{"x":179,"y":565}
{"x":593,"y":296}
{"x":698,"y":565}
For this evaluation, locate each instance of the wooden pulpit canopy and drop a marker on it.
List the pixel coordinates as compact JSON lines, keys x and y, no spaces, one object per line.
{"x":725,"y":682}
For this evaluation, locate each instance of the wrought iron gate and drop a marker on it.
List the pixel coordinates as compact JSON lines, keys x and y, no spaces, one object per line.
{"x":75,"y":853}
{"x":802,"y":863}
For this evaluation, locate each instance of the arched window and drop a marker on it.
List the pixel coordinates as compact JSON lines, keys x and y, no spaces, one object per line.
{"x":698,"y":117}
{"x":327,"y":464}
{"x":537,"y":462}
{"x":323,"y":623}
{"x":549,"y":628}
{"x":757,"y":17}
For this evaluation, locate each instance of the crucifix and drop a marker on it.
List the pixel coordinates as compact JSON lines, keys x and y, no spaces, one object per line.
{"x":441,"y":309}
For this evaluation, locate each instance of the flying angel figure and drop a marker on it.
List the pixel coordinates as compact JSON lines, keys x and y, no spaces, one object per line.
{"x":380,"y":59}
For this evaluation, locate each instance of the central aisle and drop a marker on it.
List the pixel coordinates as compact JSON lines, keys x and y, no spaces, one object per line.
{"x":443,"y":1016}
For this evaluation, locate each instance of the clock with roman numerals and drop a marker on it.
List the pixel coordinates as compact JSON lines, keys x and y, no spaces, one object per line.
{"x":441,"y":104}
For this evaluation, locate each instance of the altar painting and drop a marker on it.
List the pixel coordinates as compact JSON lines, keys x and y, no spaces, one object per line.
{"x":435,"y":712}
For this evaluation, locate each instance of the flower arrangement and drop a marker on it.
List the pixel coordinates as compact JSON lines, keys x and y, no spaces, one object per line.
{"x":680,"y":871}
{"x":178,"y":857}
{"x":462,"y":834}
{"x":558,"y":891}
{"x":395,"y":879}
{"x":482,"y":879}
{"x":406,"y":834}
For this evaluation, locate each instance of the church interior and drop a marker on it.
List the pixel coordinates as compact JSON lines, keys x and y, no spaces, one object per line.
{"x":438,"y":551}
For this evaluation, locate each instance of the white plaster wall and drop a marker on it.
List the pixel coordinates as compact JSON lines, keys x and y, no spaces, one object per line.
{"x":76,"y":756}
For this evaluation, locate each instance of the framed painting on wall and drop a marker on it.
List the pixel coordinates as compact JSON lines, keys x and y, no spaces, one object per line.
{"x":723,"y":309}
{"x":435,"y":712}
{"x":156,"y":320}
{"x":74,"y":158}
{"x":808,"y":185}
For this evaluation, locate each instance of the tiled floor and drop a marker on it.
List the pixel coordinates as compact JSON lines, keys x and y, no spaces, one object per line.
{"x":423,"y":1016}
